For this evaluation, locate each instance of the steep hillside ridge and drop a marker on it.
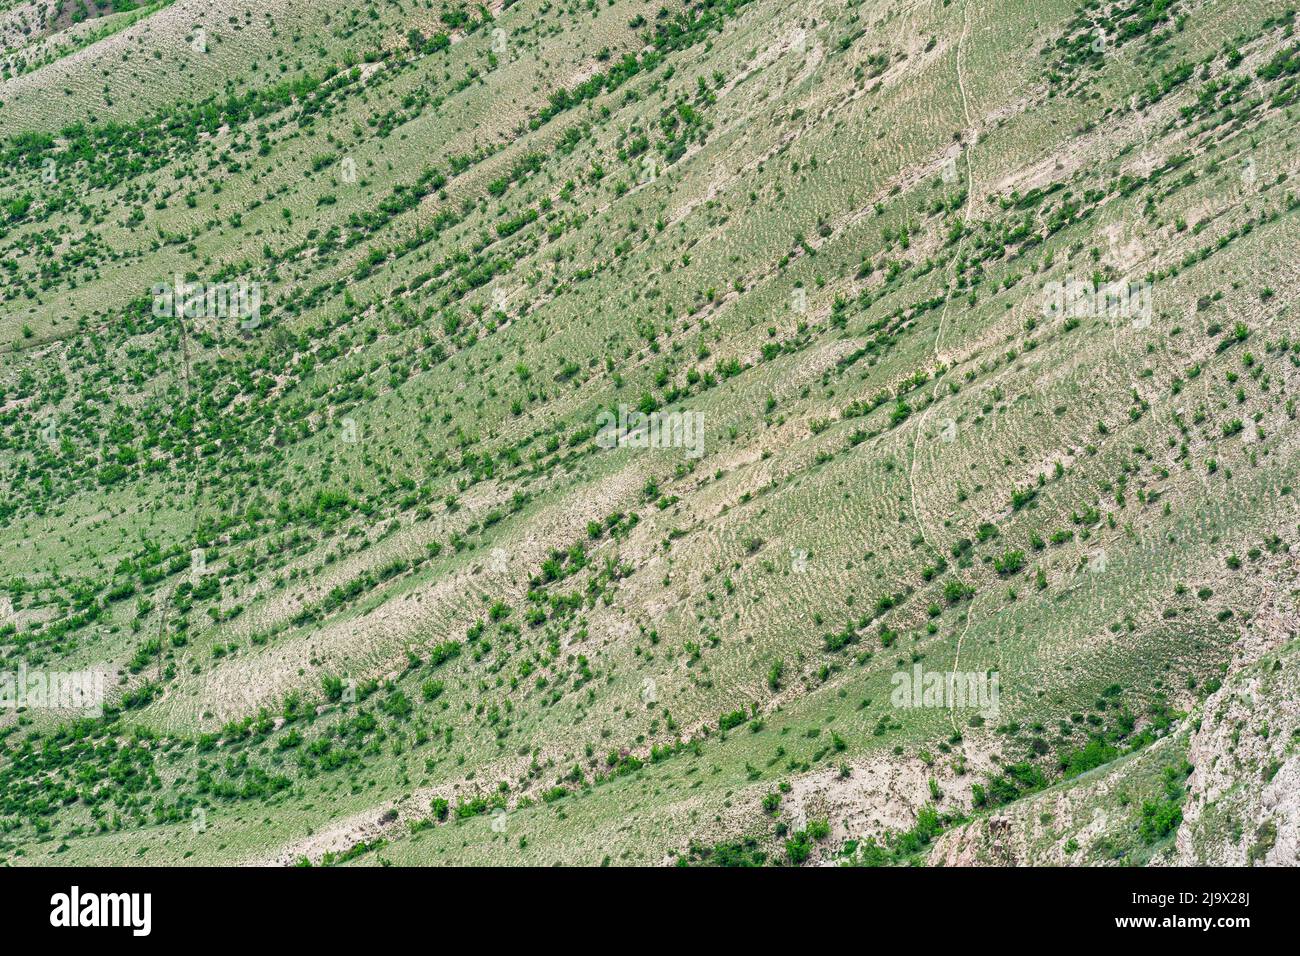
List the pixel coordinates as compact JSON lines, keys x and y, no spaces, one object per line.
{"x":976,"y":327}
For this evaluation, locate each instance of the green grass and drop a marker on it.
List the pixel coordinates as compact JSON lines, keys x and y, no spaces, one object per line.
{"x":391,"y":459}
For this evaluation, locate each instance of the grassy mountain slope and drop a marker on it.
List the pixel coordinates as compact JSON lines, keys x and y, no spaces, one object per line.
{"x":363,"y":583}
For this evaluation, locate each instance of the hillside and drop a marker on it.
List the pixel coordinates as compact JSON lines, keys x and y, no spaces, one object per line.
{"x":977,"y":326}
